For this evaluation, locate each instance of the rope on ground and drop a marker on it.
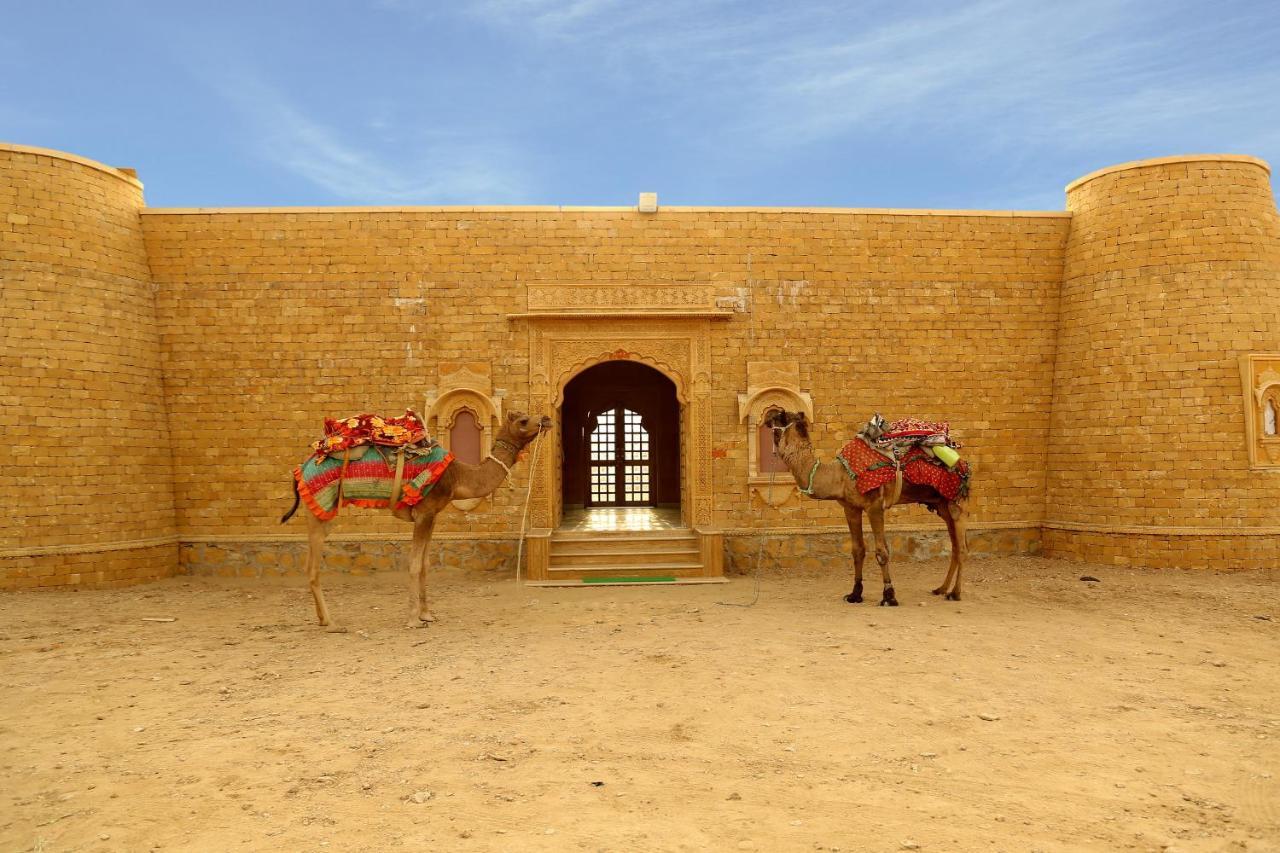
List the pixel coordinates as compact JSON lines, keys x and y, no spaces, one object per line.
{"x":751,"y":344}
{"x":759,"y":555}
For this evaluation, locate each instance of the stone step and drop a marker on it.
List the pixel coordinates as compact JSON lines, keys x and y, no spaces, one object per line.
{"x":681,"y":569}
{"x":687,"y":554}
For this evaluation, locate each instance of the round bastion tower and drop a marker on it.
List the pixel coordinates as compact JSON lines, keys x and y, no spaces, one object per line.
{"x":87,"y":496}
{"x":1170,"y":307}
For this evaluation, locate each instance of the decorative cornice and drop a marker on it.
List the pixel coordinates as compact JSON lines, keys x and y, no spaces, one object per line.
{"x":613,"y":299}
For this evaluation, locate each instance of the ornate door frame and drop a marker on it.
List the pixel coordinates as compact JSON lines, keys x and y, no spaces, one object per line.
{"x":678,"y":347}
{"x":666,"y":325}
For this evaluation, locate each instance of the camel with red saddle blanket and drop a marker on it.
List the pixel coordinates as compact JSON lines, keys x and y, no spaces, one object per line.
{"x":887,"y":464}
{"x":390,"y":463}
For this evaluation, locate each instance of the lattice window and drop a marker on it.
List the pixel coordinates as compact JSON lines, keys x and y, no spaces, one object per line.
{"x":1269,"y":418}
{"x":621,"y":460}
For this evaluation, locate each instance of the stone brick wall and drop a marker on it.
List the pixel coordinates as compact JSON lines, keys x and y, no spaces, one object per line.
{"x":306,"y":313}
{"x":86,"y":489}
{"x":1172,"y":273}
{"x":1087,"y":360}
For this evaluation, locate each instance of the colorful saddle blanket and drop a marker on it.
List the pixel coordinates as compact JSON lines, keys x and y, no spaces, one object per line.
{"x":871,"y":468}
{"x":370,"y":475}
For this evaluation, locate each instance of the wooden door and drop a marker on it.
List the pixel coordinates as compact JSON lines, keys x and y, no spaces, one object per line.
{"x":620,"y":461}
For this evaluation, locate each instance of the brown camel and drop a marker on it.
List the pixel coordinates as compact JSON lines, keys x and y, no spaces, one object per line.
{"x":828,"y":481}
{"x":458,"y":482}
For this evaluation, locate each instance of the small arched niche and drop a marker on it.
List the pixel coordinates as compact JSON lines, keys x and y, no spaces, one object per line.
{"x":463,"y":414}
{"x":771,"y":387}
{"x":1260,"y":373}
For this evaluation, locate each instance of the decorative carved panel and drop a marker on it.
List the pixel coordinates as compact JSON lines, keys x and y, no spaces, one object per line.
{"x":1260,"y":374}
{"x":622,"y":298}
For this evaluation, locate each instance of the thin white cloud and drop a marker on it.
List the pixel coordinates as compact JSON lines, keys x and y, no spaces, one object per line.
{"x":1064,"y":75}
{"x":421,"y":167}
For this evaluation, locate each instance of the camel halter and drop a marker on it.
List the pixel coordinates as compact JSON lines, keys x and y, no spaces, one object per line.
{"x":812,"y":471}
{"x":515,"y":451}
{"x":500,"y":462}
{"x":808,"y":492}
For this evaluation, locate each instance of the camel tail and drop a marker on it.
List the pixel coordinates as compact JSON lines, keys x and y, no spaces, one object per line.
{"x":297,"y":499}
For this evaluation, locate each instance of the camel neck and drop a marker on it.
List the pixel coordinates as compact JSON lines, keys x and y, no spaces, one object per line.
{"x":505,"y":451}
{"x":802,"y":462}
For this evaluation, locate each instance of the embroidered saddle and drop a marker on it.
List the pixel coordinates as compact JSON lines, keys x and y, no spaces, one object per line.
{"x":881,"y":449}
{"x":362,"y":460}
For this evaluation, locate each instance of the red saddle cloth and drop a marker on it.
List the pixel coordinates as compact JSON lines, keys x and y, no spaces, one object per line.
{"x":871,"y":469}
{"x":358,"y":430}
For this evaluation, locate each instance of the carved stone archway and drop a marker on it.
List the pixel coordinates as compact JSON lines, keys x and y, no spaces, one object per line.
{"x":575,"y":327}
{"x":676,"y":348}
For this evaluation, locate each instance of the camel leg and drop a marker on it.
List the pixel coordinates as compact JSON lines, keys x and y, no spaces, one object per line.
{"x":960,"y":547}
{"x":418,"y":613}
{"x":853,"y":515}
{"x":424,"y":609}
{"x":316,"y":530}
{"x":944,"y":510}
{"x":882,"y":555}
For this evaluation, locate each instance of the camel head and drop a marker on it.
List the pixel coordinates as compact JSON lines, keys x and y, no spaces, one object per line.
{"x":790,"y":429}
{"x":522,"y":429}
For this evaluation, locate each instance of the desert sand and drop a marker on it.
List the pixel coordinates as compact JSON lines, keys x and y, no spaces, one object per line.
{"x":1041,"y":713}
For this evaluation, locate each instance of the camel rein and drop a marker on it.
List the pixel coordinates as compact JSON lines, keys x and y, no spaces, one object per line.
{"x":524,"y":514}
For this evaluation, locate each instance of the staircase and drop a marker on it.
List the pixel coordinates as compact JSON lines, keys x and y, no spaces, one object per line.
{"x":658,"y":556}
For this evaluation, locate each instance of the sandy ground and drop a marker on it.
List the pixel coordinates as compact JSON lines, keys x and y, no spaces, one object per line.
{"x":1041,"y":713}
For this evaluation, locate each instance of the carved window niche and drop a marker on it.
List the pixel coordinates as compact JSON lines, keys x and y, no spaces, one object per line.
{"x":465,"y":434}
{"x":464,"y":414}
{"x":1260,"y":373}
{"x":771,"y":387}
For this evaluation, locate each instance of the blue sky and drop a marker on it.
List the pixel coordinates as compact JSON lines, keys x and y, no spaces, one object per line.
{"x":991,"y":104}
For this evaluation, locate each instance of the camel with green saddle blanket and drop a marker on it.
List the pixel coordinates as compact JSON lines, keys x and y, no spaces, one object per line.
{"x":886,"y":464}
{"x":390,"y":463}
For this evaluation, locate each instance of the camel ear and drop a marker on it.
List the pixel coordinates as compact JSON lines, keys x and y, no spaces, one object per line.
{"x":511,"y":417}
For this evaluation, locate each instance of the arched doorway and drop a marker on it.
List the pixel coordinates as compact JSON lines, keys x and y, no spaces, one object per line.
{"x":621,"y":439}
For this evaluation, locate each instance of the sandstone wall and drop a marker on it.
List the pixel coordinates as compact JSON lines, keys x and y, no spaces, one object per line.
{"x":1088,"y":360}
{"x":86,"y":491}
{"x":1172,"y":273}
{"x":295,"y":315}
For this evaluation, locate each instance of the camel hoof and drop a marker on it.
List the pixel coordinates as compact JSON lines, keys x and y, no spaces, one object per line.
{"x":853,"y":598}
{"x":889,"y":602}
{"x":940,"y":590}
{"x":427,"y":617}
{"x":416,"y":623}
{"x":335,"y":629}
{"x":953,"y":596}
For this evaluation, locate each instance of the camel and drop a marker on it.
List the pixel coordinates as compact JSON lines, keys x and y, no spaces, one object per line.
{"x":828,"y":481}
{"x":458,"y":482}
